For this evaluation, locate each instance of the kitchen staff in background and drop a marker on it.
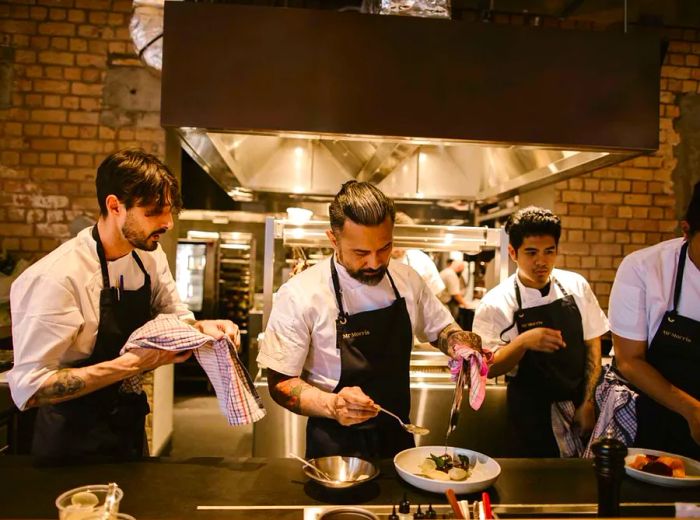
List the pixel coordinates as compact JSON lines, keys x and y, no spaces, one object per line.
{"x":417,"y":259}
{"x":73,"y":310}
{"x":453,"y":294}
{"x":655,"y":320}
{"x":339,"y":338}
{"x":545,"y":325}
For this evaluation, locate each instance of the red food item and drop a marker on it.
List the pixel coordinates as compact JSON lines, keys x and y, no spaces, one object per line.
{"x":665,"y":466}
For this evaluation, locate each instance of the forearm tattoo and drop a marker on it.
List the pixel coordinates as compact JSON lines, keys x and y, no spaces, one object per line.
{"x":65,"y":384}
{"x":287,"y":392}
{"x":592,"y":372}
{"x":453,"y":335}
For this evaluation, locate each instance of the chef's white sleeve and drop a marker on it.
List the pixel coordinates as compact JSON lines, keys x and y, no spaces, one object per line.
{"x":627,"y":306}
{"x":489,"y":323}
{"x":46,"y":318}
{"x":594,"y":321}
{"x":287,"y":336}
{"x":431,"y":313}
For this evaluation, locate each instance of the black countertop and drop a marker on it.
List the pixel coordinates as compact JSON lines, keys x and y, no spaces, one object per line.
{"x":167,"y":488}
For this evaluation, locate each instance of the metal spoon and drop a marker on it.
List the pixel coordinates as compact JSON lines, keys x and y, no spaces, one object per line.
{"x":410,"y":428}
{"x":319,"y":472}
{"x":110,"y":501}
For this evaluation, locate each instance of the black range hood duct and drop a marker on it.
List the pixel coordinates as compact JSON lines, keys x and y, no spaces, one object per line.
{"x":496,"y":109}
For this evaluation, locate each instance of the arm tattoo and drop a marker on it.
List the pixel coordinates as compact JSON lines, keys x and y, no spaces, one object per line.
{"x":452,"y":335}
{"x":65,"y":385}
{"x":592,"y":370}
{"x":287,"y":391}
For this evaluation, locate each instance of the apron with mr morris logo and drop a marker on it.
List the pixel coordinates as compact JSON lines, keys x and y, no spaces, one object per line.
{"x":675,"y":353}
{"x":545,"y":377}
{"x":375,"y":350}
{"x":106,"y":423}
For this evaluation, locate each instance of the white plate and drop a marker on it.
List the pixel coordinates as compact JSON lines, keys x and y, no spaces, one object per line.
{"x":485,"y":472}
{"x":692,"y":470}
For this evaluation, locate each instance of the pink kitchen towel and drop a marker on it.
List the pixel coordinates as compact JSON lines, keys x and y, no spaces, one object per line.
{"x":478,"y":371}
{"x":238,"y":399}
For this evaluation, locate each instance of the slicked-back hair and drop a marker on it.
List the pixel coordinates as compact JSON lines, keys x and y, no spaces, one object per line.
{"x":692,"y":214}
{"x":136,"y":178}
{"x":362,"y":203}
{"x":532,"y":221}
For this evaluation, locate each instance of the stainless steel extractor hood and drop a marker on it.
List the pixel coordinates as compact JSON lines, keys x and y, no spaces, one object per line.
{"x":299,"y":101}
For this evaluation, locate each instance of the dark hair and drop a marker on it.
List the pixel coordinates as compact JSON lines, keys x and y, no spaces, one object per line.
{"x":362,"y":203}
{"x":532,"y":221}
{"x":136,"y":178}
{"x":692,"y":214}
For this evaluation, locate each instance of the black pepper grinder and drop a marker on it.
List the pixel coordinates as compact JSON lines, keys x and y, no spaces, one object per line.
{"x":609,"y":468}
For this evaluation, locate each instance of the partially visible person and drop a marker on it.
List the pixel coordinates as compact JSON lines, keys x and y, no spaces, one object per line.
{"x":418,"y":260}
{"x":545,"y":326}
{"x":73,"y":310}
{"x":655,"y":320}
{"x":453,"y":294}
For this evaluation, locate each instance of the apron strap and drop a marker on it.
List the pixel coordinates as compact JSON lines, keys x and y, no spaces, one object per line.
{"x":103,"y":260}
{"x":101,"y":255}
{"x":679,"y":277}
{"x":342,"y":315}
{"x":520,"y":303}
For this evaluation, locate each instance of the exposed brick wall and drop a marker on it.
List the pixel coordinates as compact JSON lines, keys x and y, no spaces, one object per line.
{"x":609,"y":213}
{"x":55,"y":133}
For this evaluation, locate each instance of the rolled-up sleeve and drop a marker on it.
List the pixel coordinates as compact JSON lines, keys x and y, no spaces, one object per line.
{"x":46,"y":319}
{"x":489,"y":323}
{"x":627,"y":307}
{"x":287,"y":336}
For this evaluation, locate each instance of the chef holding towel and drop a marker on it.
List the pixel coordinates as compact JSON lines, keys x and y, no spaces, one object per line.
{"x":545,"y":326}
{"x":73,"y":310}
{"x":339,"y":338}
{"x":655,"y":320}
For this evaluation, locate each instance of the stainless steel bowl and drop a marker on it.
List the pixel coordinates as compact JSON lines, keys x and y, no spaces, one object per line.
{"x":345,"y":471}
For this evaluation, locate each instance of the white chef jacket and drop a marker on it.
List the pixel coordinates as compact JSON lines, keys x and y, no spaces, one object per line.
{"x":55,"y":307}
{"x":643,"y":290}
{"x":495,"y":312}
{"x":425,"y":267}
{"x":454,"y":284}
{"x":300,"y":336}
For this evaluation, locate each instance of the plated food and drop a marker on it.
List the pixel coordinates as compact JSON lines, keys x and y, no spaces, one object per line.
{"x":445,"y":467}
{"x":483,"y":470}
{"x":662,"y":468}
{"x":659,"y":465}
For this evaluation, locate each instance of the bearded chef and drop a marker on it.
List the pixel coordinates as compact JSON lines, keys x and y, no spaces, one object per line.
{"x":338,"y":342}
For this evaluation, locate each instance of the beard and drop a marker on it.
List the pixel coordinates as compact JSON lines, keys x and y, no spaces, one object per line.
{"x":139,"y":238}
{"x":365,"y":276}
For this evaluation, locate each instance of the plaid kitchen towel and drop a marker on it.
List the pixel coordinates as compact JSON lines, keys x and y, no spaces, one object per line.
{"x":478,"y":371}
{"x":238,"y":399}
{"x":565,"y":432}
{"x":617,"y":403}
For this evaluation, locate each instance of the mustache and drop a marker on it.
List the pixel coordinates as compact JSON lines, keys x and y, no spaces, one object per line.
{"x":158,"y":232}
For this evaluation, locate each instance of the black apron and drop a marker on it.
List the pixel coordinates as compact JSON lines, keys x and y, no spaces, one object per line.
{"x":675,"y":353}
{"x":375,"y":351}
{"x":105,"y":424}
{"x":544,"y":378}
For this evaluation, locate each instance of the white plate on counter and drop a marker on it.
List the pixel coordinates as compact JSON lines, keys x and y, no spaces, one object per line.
{"x":483,"y":474}
{"x":692,"y":470}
